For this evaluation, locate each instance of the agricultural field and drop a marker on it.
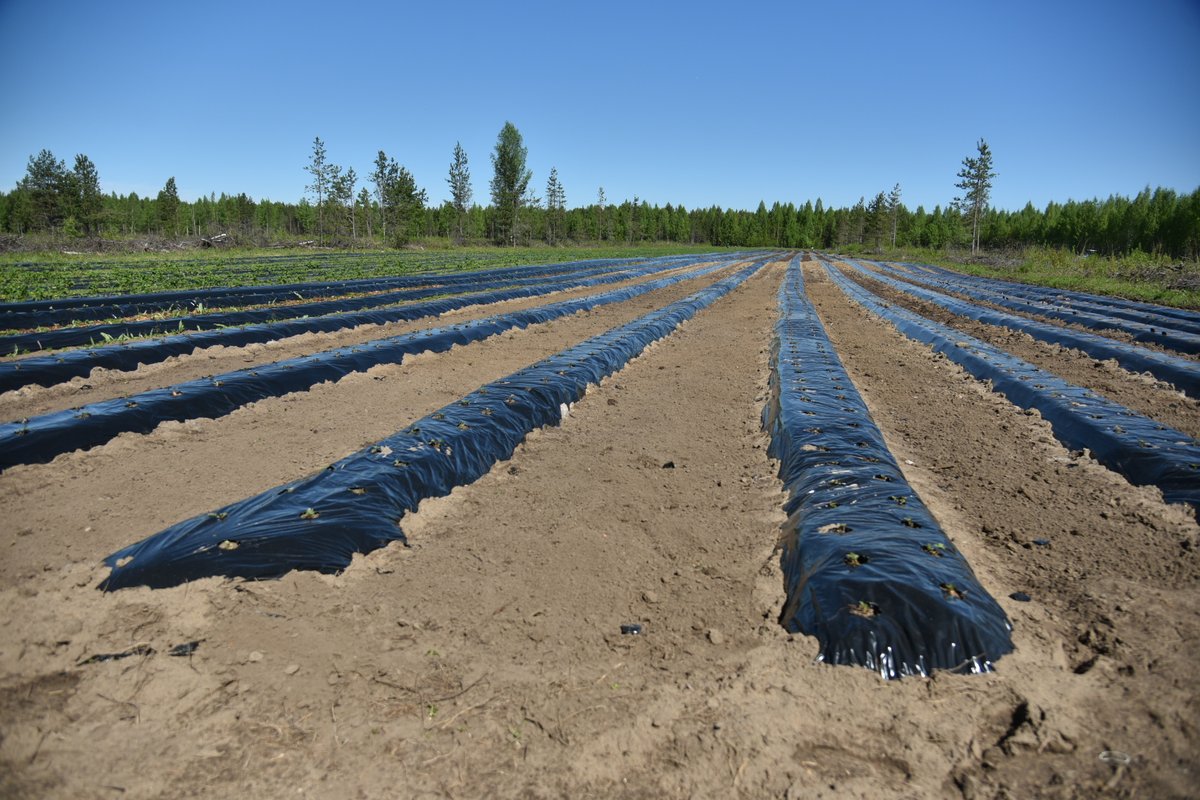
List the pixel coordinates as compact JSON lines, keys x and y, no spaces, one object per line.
{"x":736,"y":524}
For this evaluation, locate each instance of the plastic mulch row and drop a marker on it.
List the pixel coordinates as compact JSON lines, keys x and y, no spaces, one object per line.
{"x":1144,"y":451}
{"x":1183,"y":373}
{"x":1161,"y":334}
{"x":358,"y":503}
{"x":89,"y":334}
{"x":38,"y":313}
{"x":868,"y":570}
{"x":39,"y":439}
{"x":48,"y":370}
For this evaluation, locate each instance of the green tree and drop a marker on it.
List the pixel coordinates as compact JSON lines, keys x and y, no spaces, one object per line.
{"x":976,"y":182}
{"x":384,"y":176}
{"x":893,"y":208}
{"x":460,"y":189}
{"x":556,"y":206}
{"x":89,"y":202}
{"x":46,"y":190}
{"x":408,"y":204}
{"x":510,"y":182}
{"x":319,"y":168}
{"x":168,"y":207}
{"x":602,"y":223}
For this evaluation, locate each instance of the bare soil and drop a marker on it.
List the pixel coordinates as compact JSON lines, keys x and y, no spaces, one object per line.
{"x":486,"y":659}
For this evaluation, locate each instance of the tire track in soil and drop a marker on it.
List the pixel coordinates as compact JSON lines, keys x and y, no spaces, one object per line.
{"x":1114,"y":590}
{"x":1140,"y":393}
{"x":192,"y":467}
{"x":104,"y":384}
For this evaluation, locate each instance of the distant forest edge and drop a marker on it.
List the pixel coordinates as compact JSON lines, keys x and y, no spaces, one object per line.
{"x":67,"y":202}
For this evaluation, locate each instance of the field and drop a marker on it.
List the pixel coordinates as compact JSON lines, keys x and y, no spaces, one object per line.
{"x":610,"y":604}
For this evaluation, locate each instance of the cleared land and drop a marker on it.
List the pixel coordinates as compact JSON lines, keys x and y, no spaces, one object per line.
{"x":486,"y":658}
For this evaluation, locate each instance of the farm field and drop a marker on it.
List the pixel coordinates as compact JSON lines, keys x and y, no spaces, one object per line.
{"x":484,"y":656}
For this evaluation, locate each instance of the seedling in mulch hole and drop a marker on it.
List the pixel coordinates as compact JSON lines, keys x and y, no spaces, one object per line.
{"x":1118,"y":429}
{"x":399,"y":463}
{"x":864,"y":608}
{"x":855,"y":560}
{"x":464,"y":402}
{"x":934,"y":549}
{"x":359,"y":490}
{"x":462,"y":426}
{"x":487,"y":412}
{"x":176,"y":393}
{"x":837,"y":482}
{"x":884,"y":478}
{"x":909,"y":522}
{"x":439,"y":415}
{"x":899,"y":500}
{"x":219,"y":516}
{"x":413,"y":431}
{"x":309,"y":513}
{"x":952,"y":591}
{"x":511,"y":400}
{"x":835,"y":527}
{"x":82,"y":415}
{"x":831,"y":504}
{"x":131,"y":404}
{"x":228,"y":544}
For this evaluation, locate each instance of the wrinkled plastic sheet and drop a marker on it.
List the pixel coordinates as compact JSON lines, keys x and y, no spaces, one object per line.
{"x":868,"y":570}
{"x":89,"y":334}
{"x":1183,"y":373}
{"x":1160,"y":333}
{"x":48,"y":370}
{"x":40,"y":439}
{"x":357,"y":504}
{"x":39,"y":313}
{"x":1146,"y":452}
{"x":1165,"y":316}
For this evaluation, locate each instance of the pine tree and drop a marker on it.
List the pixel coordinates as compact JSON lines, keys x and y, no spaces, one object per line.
{"x":894,"y":210}
{"x":976,"y":182}
{"x":46,"y":190}
{"x":460,"y":189}
{"x":386,"y":173}
{"x":601,"y":215}
{"x":556,"y":203}
{"x":319,"y":168}
{"x":408,"y":203}
{"x":510,"y":182}
{"x":168,"y":207}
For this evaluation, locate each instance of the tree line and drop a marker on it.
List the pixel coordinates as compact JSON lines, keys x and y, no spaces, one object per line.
{"x":388,"y":207}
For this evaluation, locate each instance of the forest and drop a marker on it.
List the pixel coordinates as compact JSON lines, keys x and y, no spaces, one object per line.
{"x":53,"y":198}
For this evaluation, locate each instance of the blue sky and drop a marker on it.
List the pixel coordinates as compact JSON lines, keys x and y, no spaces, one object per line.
{"x":695,"y":103}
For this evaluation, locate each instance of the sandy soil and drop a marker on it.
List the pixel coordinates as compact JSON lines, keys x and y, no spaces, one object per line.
{"x":486,"y":658}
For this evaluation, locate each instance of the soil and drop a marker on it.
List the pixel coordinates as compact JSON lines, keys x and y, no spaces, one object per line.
{"x":487,"y":657}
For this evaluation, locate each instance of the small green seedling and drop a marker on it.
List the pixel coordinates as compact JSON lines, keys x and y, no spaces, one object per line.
{"x":853,"y":560}
{"x":864,"y":609}
{"x":934,"y":549}
{"x":309,"y":513}
{"x":952,"y":591}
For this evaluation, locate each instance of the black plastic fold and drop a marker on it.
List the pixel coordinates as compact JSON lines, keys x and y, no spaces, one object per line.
{"x":39,"y":439}
{"x":357,"y":504}
{"x":1146,"y":452}
{"x":868,"y":570}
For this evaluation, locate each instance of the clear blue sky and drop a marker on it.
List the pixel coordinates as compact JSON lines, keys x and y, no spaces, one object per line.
{"x":697,"y":103}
